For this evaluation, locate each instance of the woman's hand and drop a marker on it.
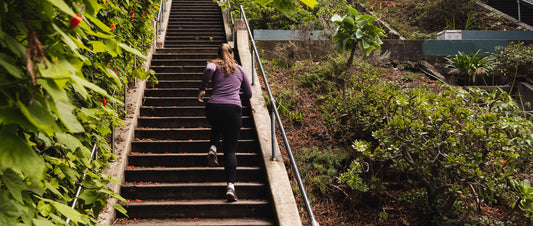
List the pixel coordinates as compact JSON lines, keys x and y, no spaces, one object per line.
{"x":201,"y":95}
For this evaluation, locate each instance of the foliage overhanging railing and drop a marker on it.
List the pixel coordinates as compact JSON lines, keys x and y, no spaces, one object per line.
{"x":94,"y":151}
{"x":94,"y":155}
{"x":275,"y":114}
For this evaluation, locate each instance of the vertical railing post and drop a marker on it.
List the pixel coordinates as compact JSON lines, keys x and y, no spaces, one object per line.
{"x":273,"y":132}
{"x":253,"y":68}
{"x":519,"y":16}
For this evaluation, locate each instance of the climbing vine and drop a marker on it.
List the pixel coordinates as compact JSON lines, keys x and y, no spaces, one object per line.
{"x":64,"y":66}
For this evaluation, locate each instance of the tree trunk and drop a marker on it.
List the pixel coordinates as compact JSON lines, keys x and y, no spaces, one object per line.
{"x":346,"y":75}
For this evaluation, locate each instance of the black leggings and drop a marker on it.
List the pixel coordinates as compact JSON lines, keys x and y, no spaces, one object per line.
{"x":225,"y":121}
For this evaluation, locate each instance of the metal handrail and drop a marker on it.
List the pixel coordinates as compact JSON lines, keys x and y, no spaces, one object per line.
{"x":95,"y":154}
{"x":159,"y":18}
{"x":278,"y":119}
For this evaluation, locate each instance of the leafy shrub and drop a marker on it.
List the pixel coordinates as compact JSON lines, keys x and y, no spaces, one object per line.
{"x":514,"y":59}
{"x":64,"y":66}
{"x":320,"y":167}
{"x":459,"y":146}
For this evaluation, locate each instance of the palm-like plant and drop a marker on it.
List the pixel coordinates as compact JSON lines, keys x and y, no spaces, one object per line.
{"x":473,"y":64}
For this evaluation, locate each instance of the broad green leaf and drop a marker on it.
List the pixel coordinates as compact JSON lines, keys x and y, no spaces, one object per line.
{"x":61,"y":69}
{"x":88,"y":196}
{"x":68,"y":212}
{"x":264,"y":2}
{"x":69,"y":173}
{"x":65,"y":110}
{"x":14,"y":45}
{"x":286,"y":7}
{"x":85,"y":83}
{"x":57,"y":92}
{"x":98,"y":46}
{"x":99,"y":23}
{"x":120,"y":209}
{"x":92,"y":7}
{"x":10,"y":115}
{"x":67,"y":39}
{"x":310,"y":3}
{"x":43,"y":222}
{"x":9,"y":209}
{"x":80,"y":90}
{"x":7,"y":62}
{"x":62,"y":6}
{"x":132,"y":50}
{"x":44,"y":208}
{"x":15,"y":153}
{"x":14,"y":184}
{"x":71,"y":142}
{"x":53,"y":189}
{"x":79,"y":43}
{"x":39,"y":115}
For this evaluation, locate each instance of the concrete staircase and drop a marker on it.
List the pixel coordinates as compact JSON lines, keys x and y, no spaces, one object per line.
{"x":167,"y":181}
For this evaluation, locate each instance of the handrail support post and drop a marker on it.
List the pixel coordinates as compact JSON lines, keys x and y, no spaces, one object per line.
{"x":273,"y":134}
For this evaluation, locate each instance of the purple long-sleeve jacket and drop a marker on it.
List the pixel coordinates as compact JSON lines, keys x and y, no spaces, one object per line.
{"x":226,"y":90}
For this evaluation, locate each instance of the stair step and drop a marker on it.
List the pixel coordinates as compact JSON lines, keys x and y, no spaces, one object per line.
{"x":177,"y":69}
{"x":209,"y":49}
{"x":198,"y":222}
{"x":173,"y":92}
{"x":186,"y":159}
{"x":199,"y":43}
{"x":208,"y":38}
{"x":199,"y":209}
{"x":165,"y":111}
{"x":180,"y":62}
{"x":179,"y":75}
{"x":194,"y":146}
{"x":190,"y":191}
{"x":183,"y":55}
{"x":185,"y":133}
{"x":182,"y":122}
{"x":191,"y":174}
{"x":178,"y":84}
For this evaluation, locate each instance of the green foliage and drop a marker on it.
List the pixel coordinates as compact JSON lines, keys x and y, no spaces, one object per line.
{"x":524,"y":191}
{"x":513,"y":59}
{"x":269,"y":16}
{"x":320,"y":167}
{"x":355,"y":29}
{"x":59,"y":64}
{"x":470,"y":65}
{"x":439,"y":14}
{"x":457,"y":145}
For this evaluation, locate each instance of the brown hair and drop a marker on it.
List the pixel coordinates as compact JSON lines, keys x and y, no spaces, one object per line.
{"x":224,"y":60}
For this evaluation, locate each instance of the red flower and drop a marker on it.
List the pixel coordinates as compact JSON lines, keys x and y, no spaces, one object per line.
{"x":132,"y":12}
{"x":75,"y":21}
{"x":116,"y":72}
{"x":106,"y":3}
{"x":112,"y":26}
{"x":145,"y":12}
{"x":104,"y":101}
{"x":132,"y":18}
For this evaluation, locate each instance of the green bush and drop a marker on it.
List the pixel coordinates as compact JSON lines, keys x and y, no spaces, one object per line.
{"x":64,"y":66}
{"x":457,"y":145}
{"x":514,"y":59}
{"x":320,"y":167}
